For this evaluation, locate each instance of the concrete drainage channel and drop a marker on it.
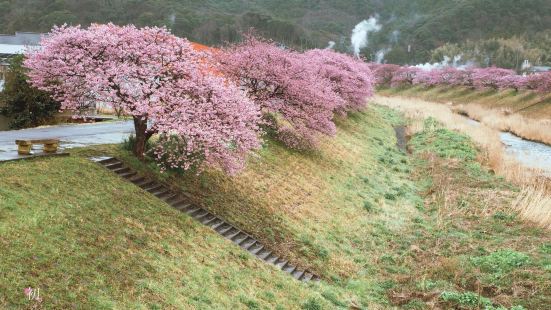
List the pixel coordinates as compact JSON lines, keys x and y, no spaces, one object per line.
{"x":182,"y":203}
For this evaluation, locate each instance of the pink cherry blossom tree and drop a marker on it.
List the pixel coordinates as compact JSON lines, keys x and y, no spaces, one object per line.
{"x":489,"y":77}
{"x":384,"y":73}
{"x":297,"y":104}
{"x":540,"y":82}
{"x":351,"y":77}
{"x":159,"y":80}
{"x":427,"y":78}
{"x":512,"y":81}
{"x":404,"y":76}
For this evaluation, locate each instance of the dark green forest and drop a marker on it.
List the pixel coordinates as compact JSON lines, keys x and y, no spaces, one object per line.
{"x":423,"y":25}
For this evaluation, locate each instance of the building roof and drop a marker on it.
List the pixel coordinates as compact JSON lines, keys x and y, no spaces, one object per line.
{"x":12,"y":49}
{"x":539,"y":69}
{"x":17,"y":44}
{"x":21,"y":38}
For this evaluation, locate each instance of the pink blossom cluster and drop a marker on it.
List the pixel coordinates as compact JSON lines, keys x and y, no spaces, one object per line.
{"x":480,"y":78}
{"x":384,"y":73}
{"x":444,"y":76}
{"x":205,"y":107}
{"x":490,"y":77}
{"x":298,"y":93}
{"x":539,"y":82}
{"x":158,"y":79}
{"x":351,"y":78}
{"x":404,"y":76}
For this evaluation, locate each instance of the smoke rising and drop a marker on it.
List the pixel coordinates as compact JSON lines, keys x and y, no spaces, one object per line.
{"x":394,"y":36}
{"x":455,"y":62}
{"x":360,"y":34}
{"x":330,"y":45}
{"x":380,"y":55}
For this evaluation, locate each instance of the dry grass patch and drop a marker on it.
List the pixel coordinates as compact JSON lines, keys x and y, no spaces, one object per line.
{"x":505,"y":120}
{"x":534,"y":203}
{"x":484,"y":136}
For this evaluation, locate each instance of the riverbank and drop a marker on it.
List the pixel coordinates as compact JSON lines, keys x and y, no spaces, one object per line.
{"x":526,"y":114}
{"x":383,"y":228}
{"x":534,"y":182}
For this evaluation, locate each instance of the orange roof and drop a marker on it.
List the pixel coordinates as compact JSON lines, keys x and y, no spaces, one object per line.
{"x":201,"y":47}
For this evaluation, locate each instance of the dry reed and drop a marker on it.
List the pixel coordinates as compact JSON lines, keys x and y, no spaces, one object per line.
{"x":534,"y":201}
{"x":504,"y":120}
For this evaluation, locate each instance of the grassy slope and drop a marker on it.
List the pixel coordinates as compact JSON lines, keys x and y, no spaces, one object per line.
{"x":353,"y":211}
{"x":89,"y":240}
{"x":526,"y":103}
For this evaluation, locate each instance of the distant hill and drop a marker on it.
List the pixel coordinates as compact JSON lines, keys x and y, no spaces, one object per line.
{"x":421,"y":24}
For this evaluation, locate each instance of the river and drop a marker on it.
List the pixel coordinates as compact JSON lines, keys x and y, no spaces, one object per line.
{"x":529,"y":153}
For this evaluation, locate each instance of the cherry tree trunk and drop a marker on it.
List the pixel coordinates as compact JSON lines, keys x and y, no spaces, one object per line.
{"x":140,"y":126}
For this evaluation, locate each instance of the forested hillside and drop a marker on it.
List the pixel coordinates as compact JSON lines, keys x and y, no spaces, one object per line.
{"x":423,"y":25}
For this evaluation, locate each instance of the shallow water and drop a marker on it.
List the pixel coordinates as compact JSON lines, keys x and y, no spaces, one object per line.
{"x":530,"y":154}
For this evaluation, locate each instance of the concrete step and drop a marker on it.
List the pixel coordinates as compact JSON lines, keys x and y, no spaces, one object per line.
{"x":129,"y":175}
{"x":211,"y":220}
{"x":181,"y":201}
{"x":256,"y":248}
{"x":137,"y":179}
{"x":153,"y":186}
{"x":289,"y":268}
{"x":121,"y":170}
{"x":248,"y":243}
{"x":182,"y":207}
{"x":297,"y":274}
{"x":263,"y":254}
{"x":165,"y":195}
{"x":172,"y":199}
{"x":204,"y":216}
{"x":159,"y":190}
{"x":105,"y":161}
{"x":239,"y":238}
{"x":232,"y":233}
{"x":271,"y":259}
{"x":280,"y":263}
{"x":217,"y":224}
{"x":147,"y":184}
{"x":114,"y":165}
{"x":224,"y":229}
{"x":197,"y":212}
{"x":306,"y":277}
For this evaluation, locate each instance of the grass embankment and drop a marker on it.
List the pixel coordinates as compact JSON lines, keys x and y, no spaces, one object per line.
{"x":90,"y":240}
{"x":382,"y":229}
{"x":527,"y":114}
{"x":534,"y":202}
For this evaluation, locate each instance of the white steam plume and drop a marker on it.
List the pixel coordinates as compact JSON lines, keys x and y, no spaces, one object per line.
{"x":394,"y":36}
{"x":360,"y":34}
{"x":447,"y":62}
{"x":380,"y":55}
{"x":330,"y":45}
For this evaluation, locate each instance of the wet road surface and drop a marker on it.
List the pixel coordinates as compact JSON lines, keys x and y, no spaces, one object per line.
{"x":70,"y":136}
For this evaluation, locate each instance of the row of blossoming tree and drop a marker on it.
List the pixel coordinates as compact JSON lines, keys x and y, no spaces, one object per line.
{"x":205,"y":108}
{"x":389,"y":75}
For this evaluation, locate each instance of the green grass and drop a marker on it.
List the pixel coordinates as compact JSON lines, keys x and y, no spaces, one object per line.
{"x":89,"y":240}
{"x":443,"y":142}
{"x":383,"y":228}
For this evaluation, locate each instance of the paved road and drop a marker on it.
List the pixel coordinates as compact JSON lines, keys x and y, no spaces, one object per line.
{"x":70,"y":135}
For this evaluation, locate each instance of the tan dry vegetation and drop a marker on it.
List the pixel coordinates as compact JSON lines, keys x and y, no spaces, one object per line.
{"x":505,"y":120}
{"x":533,"y":203}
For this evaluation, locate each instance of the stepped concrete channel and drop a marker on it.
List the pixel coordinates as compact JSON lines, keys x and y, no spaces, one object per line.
{"x":182,"y":202}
